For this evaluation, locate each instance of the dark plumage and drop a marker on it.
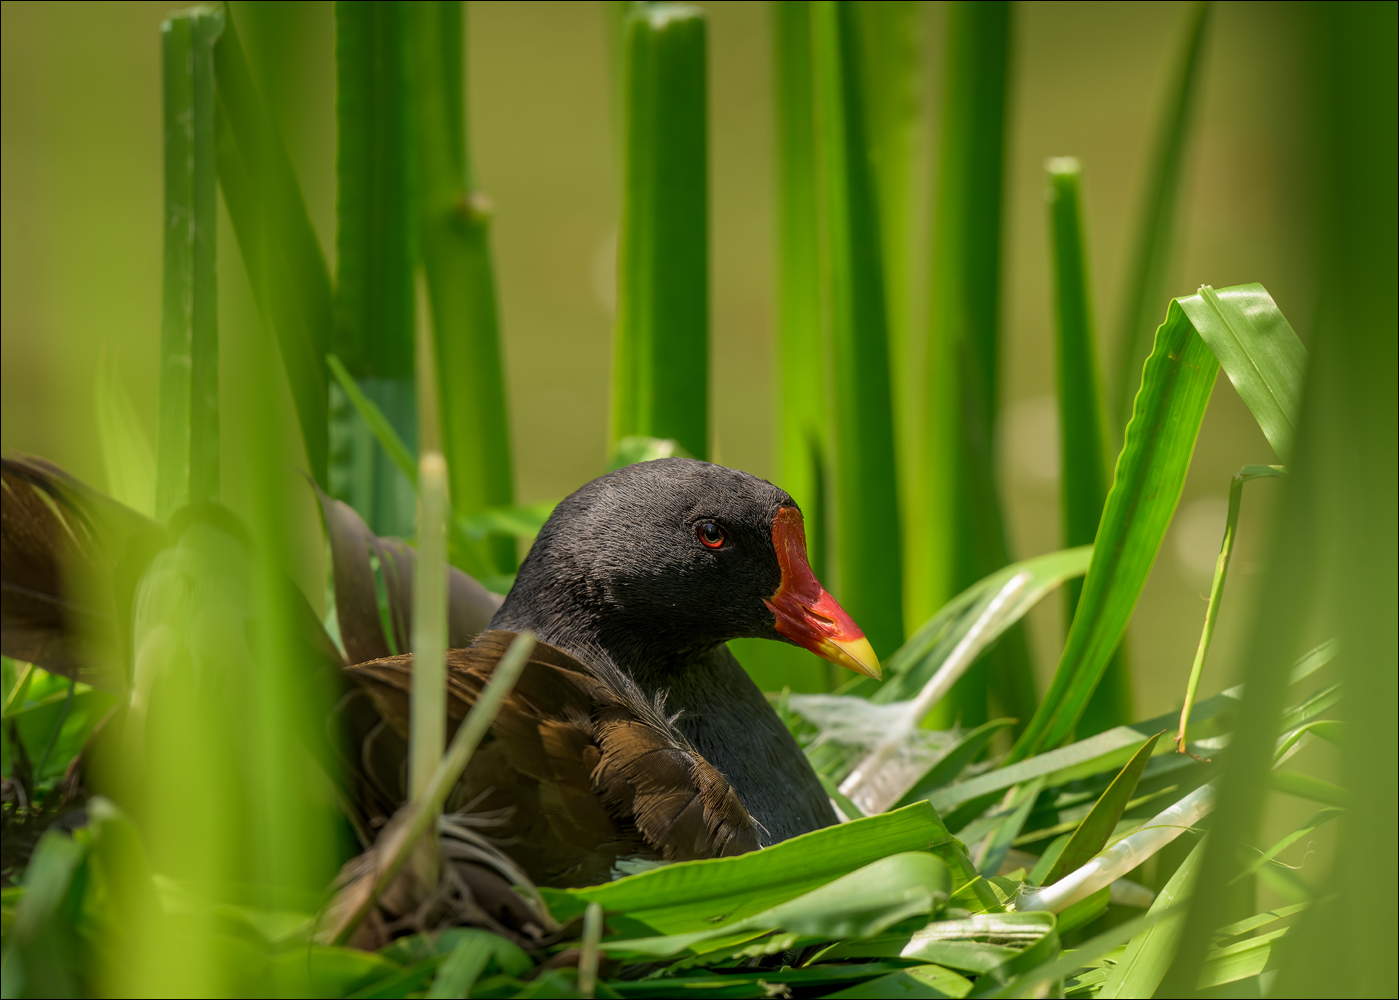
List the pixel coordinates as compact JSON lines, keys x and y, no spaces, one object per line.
{"x":619,"y":570}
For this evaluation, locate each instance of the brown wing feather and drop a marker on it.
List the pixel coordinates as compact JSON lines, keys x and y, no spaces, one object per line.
{"x":583,"y":768}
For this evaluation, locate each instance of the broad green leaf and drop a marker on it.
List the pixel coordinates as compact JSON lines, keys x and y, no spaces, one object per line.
{"x":281,"y":254}
{"x":697,"y":895}
{"x":188,"y":441}
{"x":859,"y":904}
{"x":660,"y":380}
{"x":1147,"y":277}
{"x":919,"y":981}
{"x":1147,"y":483}
{"x":454,"y":242}
{"x":1085,"y":470}
{"x":863,"y":486}
{"x":1258,"y":350}
{"x":957,"y":535}
{"x":1093,"y":833}
{"x":1140,"y":969}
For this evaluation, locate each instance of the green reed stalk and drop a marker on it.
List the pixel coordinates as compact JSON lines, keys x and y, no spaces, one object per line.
{"x":429,"y":712}
{"x":376,"y":255}
{"x":1085,"y":472}
{"x":959,"y":536}
{"x":188,"y":444}
{"x":866,"y":549}
{"x":1221,"y":572}
{"x":797,"y":363}
{"x":1334,"y":543}
{"x":283,"y":258}
{"x":889,"y":36}
{"x":1149,"y":273}
{"x":660,"y":380}
{"x":454,"y":234}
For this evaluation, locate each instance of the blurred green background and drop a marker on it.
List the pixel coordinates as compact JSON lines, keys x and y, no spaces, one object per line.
{"x":80,"y":240}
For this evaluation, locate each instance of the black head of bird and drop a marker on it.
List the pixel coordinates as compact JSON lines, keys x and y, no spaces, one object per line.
{"x":658,"y":563}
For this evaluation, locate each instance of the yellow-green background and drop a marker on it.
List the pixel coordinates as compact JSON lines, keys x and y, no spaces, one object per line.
{"x":80,"y":238}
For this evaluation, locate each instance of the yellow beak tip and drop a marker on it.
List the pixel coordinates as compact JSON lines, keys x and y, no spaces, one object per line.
{"x":853,"y":654}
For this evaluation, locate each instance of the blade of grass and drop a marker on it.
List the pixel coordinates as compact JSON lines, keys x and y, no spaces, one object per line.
{"x":1150,"y":474}
{"x":1093,"y":833}
{"x":284,"y":261}
{"x":188,"y":442}
{"x":1085,"y":473}
{"x":958,"y":536}
{"x":454,"y":234}
{"x":660,"y":381}
{"x":1140,"y":969}
{"x":1221,"y":570}
{"x":1149,"y":273}
{"x":376,"y":253}
{"x":866,"y":549}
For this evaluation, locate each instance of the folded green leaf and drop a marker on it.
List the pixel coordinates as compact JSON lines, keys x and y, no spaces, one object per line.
{"x":1259,"y":351}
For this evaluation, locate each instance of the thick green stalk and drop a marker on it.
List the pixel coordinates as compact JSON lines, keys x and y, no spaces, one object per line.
{"x":454,"y":234}
{"x":892,"y":86}
{"x":285,"y":264}
{"x":660,"y":382}
{"x":188,"y":447}
{"x":797,"y":363}
{"x":1334,"y":543}
{"x":1151,"y":257}
{"x":376,"y":254}
{"x":1085,"y":472}
{"x":864,"y":487}
{"x":960,"y":537}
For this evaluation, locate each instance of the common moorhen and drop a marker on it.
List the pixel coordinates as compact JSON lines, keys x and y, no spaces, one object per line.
{"x":634,"y":732}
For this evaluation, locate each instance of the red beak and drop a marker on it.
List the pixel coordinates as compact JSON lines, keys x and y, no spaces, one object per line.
{"x":806,"y":613}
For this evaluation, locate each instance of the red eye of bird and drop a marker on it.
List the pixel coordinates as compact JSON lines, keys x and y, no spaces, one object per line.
{"x":710,"y":535}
